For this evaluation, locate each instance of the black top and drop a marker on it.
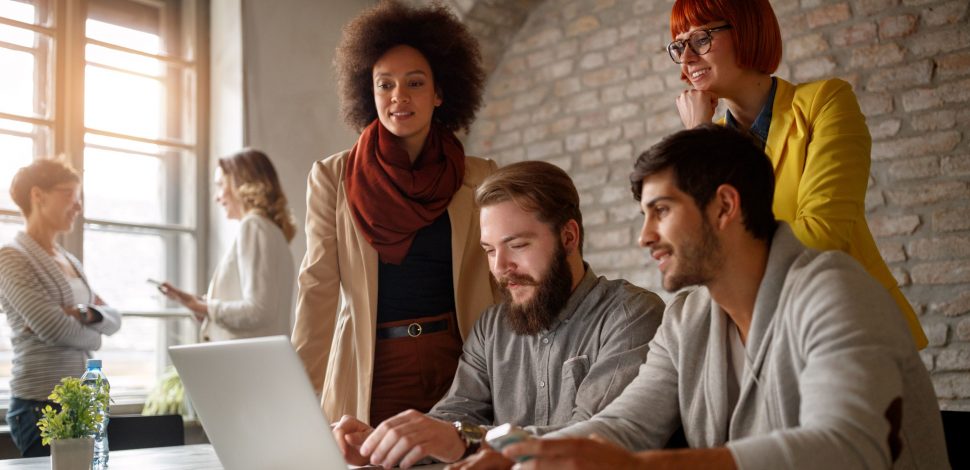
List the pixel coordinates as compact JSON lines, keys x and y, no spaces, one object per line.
{"x":421,"y":286}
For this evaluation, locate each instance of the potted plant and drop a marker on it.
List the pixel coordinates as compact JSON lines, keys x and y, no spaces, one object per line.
{"x":69,"y":430}
{"x":167,"y":397}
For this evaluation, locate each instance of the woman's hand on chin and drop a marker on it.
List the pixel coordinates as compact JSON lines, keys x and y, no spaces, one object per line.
{"x":696,"y":107}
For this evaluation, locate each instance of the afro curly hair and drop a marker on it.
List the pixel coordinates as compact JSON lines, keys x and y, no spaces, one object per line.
{"x":450,"y":49}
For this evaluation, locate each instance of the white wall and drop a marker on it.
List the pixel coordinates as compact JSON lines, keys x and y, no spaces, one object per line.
{"x":226,"y":111}
{"x":292,"y":109}
{"x":286,"y":92}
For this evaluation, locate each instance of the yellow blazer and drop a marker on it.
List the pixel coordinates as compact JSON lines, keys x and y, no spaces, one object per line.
{"x":819,"y":146}
{"x":340,"y":269}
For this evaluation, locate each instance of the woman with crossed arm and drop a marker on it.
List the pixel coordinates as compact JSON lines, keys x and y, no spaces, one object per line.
{"x":55,"y":317}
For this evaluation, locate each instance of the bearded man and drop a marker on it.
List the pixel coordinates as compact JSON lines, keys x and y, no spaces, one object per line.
{"x":775,"y":355}
{"x":560,"y":347}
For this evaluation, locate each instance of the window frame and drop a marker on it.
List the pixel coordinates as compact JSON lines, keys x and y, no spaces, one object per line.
{"x":65,"y":124}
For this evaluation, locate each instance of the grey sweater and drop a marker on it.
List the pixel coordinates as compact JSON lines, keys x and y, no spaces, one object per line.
{"x":826,"y":357}
{"x":47,"y":343}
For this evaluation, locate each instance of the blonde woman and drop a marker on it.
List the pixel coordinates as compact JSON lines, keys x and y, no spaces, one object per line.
{"x":251,"y":291}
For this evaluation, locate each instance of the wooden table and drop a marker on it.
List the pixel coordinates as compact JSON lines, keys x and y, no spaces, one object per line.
{"x":191,"y":457}
{"x":199,"y":456}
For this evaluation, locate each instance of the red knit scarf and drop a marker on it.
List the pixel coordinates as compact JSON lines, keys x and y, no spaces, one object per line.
{"x":390,"y":198}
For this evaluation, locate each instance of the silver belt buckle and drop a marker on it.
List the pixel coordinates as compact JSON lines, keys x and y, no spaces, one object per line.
{"x":414,"y":330}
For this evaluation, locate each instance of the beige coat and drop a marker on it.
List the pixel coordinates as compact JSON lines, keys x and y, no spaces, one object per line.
{"x":340,"y":270}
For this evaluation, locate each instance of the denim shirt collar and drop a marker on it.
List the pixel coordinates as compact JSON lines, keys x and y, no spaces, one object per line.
{"x":761,"y":123}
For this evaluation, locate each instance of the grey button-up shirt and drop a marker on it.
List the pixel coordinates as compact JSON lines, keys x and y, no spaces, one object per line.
{"x":562,"y":375}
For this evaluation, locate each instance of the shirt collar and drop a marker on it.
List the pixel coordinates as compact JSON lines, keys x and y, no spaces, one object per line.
{"x":576,"y":298}
{"x":761,"y":123}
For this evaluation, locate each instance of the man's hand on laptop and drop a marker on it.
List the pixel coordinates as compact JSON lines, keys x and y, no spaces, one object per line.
{"x":409,"y":437}
{"x":350,"y":433}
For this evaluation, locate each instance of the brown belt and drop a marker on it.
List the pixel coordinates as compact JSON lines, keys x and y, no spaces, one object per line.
{"x":413,"y":330}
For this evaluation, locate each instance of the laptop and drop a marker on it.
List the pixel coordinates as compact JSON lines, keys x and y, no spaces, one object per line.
{"x":257,"y":405}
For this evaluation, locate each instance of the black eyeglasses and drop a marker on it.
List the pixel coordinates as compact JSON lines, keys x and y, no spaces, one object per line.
{"x":699,"y":41}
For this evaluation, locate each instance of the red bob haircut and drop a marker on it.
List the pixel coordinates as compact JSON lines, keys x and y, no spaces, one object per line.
{"x":755,"y":32}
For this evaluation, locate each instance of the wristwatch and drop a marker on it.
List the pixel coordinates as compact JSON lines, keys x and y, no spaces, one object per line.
{"x":84,"y":312}
{"x":471,"y":435}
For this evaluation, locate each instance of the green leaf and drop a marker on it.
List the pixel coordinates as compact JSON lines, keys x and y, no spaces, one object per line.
{"x":167,"y":396}
{"x":78,"y":416}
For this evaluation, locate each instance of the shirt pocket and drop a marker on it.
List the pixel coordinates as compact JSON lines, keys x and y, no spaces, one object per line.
{"x":574,"y":371}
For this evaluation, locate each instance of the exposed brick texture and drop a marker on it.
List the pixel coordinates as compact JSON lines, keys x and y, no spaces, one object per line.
{"x":957,"y":306}
{"x":587,"y":85}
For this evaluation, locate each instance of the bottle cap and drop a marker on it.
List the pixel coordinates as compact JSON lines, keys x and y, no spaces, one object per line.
{"x":94,"y":363}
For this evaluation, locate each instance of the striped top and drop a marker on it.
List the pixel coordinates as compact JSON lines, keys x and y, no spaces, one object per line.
{"x":47,"y":343}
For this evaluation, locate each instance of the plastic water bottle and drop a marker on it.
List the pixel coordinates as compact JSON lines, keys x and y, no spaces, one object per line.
{"x":90,"y":377}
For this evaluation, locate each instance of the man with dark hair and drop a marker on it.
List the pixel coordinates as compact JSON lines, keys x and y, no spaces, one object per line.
{"x":562,"y":345}
{"x":781,"y":357}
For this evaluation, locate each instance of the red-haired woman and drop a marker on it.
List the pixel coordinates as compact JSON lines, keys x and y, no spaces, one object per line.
{"x":814,"y":133}
{"x":394,"y":275}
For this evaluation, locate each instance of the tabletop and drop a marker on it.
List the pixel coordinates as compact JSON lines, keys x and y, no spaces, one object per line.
{"x":198,"y":456}
{"x":190,"y":457}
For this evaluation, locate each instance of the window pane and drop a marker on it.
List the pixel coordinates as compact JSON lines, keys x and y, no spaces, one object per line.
{"x":8,"y":229}
{"x":137,"y":188}
{"x":129,"y":356}
{"x":118,"y":264}
{"x":125,"y":181}
{"x":18,"y":36}
{"x":123,"y":60}
{"x":123,"y":187}
{"x":17,"y":82}
{"x":26,"y":11}
{"x":122,"y":36}
{"x":26,"y":79}
{"x":18,"y":152}
{"x":126,"y":104}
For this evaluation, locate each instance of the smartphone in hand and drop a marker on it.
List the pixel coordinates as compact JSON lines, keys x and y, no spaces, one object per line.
{"x":502,"y":436}
{"x":158,"y":284}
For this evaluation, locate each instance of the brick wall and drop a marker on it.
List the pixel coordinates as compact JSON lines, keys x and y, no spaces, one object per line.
{"x":586,"y":84}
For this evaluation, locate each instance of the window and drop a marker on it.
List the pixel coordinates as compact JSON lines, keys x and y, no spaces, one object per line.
{"x":113,"y":85}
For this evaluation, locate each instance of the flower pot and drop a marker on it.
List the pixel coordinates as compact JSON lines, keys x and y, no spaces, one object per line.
{"x":72,"y":454}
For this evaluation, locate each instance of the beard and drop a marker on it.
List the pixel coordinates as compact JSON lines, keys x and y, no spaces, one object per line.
{"x":697,"y":260}
{"x":551,"y":294}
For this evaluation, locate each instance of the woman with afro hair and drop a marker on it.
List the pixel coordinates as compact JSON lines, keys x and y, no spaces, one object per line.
{"x":394,"y":276}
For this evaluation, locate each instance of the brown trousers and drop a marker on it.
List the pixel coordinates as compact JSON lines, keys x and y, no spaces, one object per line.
{"x":413,"y":372}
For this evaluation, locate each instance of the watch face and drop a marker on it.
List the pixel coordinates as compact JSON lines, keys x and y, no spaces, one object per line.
{"x":84,"y":312}
{"x":473,"y":433}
